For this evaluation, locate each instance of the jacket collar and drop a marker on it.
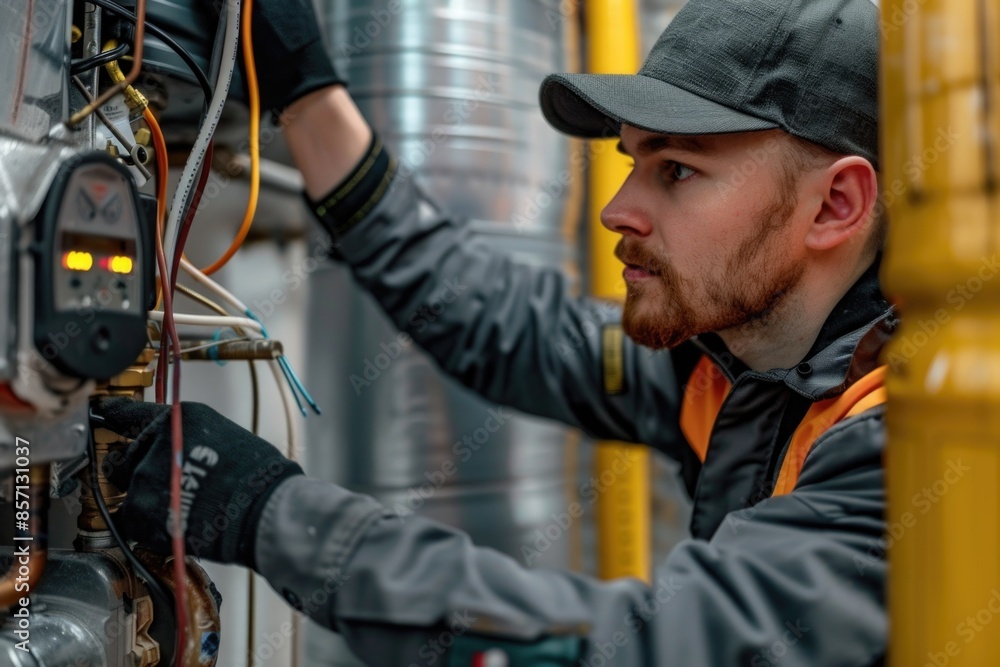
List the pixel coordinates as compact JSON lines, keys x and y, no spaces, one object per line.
{"x":846,"y":349}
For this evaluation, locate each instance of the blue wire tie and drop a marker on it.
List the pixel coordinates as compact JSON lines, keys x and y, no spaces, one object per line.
{"x":213,"y":352}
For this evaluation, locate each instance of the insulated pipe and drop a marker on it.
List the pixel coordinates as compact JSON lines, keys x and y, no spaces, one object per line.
{"x":939,"y":157}
{"x":623,"y":505}
{"x":12,"y":585}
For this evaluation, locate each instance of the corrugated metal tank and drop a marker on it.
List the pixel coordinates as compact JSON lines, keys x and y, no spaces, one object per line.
{"x":452,"y":88}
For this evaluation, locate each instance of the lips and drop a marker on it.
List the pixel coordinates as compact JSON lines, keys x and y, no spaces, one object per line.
{"x":633,"y":273}
{"x":637,"y":260}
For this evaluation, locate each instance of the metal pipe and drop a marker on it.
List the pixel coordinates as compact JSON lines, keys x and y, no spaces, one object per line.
{"x":940,"y":126}
{"x":249,"y":350}
{"x":623,"y":509}
{"x":12,"y":585}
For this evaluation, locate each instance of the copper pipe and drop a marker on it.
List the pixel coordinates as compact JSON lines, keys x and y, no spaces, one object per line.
{"x":133,"y":75}
{"x":12,"y":585}
{"x":249,"y":350}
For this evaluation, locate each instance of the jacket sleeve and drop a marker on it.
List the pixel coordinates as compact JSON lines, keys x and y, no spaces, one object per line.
{"x":510,"y":331}
{"x":797,"y":579}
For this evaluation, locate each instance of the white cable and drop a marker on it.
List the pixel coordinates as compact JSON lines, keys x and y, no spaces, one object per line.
{"x":189,"y":176}
{"x":210,"y":321}
{"x":286,"y":402}
{"x":221,"y":291}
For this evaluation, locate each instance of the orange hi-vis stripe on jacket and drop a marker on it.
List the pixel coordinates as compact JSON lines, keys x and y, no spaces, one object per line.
{"x":708,"y":387}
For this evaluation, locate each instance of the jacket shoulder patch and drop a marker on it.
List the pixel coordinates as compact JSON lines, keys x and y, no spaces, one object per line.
{"x":612,"y":353}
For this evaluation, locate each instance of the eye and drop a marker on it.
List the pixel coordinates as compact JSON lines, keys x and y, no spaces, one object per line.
{"x":675,"y":171}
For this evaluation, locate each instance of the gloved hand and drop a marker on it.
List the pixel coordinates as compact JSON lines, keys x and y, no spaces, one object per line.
{"x":289,"y":55}
{"x":228,"y":475}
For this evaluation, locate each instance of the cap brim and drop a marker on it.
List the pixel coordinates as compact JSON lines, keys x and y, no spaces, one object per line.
{"x":596,"y":105}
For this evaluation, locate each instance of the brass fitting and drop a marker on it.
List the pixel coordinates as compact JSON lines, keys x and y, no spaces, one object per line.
{"x":135,"y":100}
{"x":131,"y":382}
{"x":108,"y":445}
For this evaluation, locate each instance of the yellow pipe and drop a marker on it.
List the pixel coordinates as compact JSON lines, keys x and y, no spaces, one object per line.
{"x":940,"y":125}
{"x":621,"y":472}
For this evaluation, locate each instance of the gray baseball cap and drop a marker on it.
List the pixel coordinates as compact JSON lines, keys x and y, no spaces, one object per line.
{"x":809,"y":67}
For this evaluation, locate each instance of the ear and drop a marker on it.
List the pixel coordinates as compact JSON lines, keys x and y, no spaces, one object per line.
{"x":849,"y":191}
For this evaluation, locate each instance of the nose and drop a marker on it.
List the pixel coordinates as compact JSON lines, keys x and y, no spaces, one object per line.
{"x":624,"y":214}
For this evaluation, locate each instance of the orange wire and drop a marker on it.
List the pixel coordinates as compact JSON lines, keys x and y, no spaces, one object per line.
{"x":251,"y":72}
{"x":160,"y":150}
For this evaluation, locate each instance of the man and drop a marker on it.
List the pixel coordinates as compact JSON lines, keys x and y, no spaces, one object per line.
{"x":760,"y":283}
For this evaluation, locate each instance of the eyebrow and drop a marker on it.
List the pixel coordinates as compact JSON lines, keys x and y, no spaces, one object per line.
{"x":658,"y":142}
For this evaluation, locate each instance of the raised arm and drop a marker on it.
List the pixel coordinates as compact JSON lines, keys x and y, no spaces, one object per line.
{"x":509,"y":331}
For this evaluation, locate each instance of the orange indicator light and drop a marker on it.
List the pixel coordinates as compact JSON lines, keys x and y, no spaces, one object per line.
{"x":78,"y":261}
{"x":121,"y":264}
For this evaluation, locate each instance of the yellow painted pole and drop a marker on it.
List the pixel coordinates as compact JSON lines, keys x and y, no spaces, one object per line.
{"x":940,"y":70}
{"x":622,"y":471}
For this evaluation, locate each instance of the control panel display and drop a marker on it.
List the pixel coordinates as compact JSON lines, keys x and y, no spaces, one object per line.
{"x":93,"y":269}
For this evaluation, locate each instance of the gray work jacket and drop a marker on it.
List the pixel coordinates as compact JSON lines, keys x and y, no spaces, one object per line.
{"x":793,"y":580}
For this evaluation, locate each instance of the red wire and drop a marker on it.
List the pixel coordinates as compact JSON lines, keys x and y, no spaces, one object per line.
{"x":168,"y":297}
{"x":161,"y":362}
{"x":182,"y":234}
{"x":170,"y":331}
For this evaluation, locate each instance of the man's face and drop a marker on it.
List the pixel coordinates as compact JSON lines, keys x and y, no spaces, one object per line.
{"x":709,"y":233}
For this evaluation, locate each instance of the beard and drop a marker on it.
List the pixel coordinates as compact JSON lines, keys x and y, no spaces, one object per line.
{"x":667,"y":309}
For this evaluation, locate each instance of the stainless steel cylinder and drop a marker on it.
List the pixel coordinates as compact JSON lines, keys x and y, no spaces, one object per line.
{"x":453,"y":89}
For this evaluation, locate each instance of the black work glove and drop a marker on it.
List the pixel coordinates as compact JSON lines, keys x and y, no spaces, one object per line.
{"x":289,"y":55}
{"x":228,"y":475}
